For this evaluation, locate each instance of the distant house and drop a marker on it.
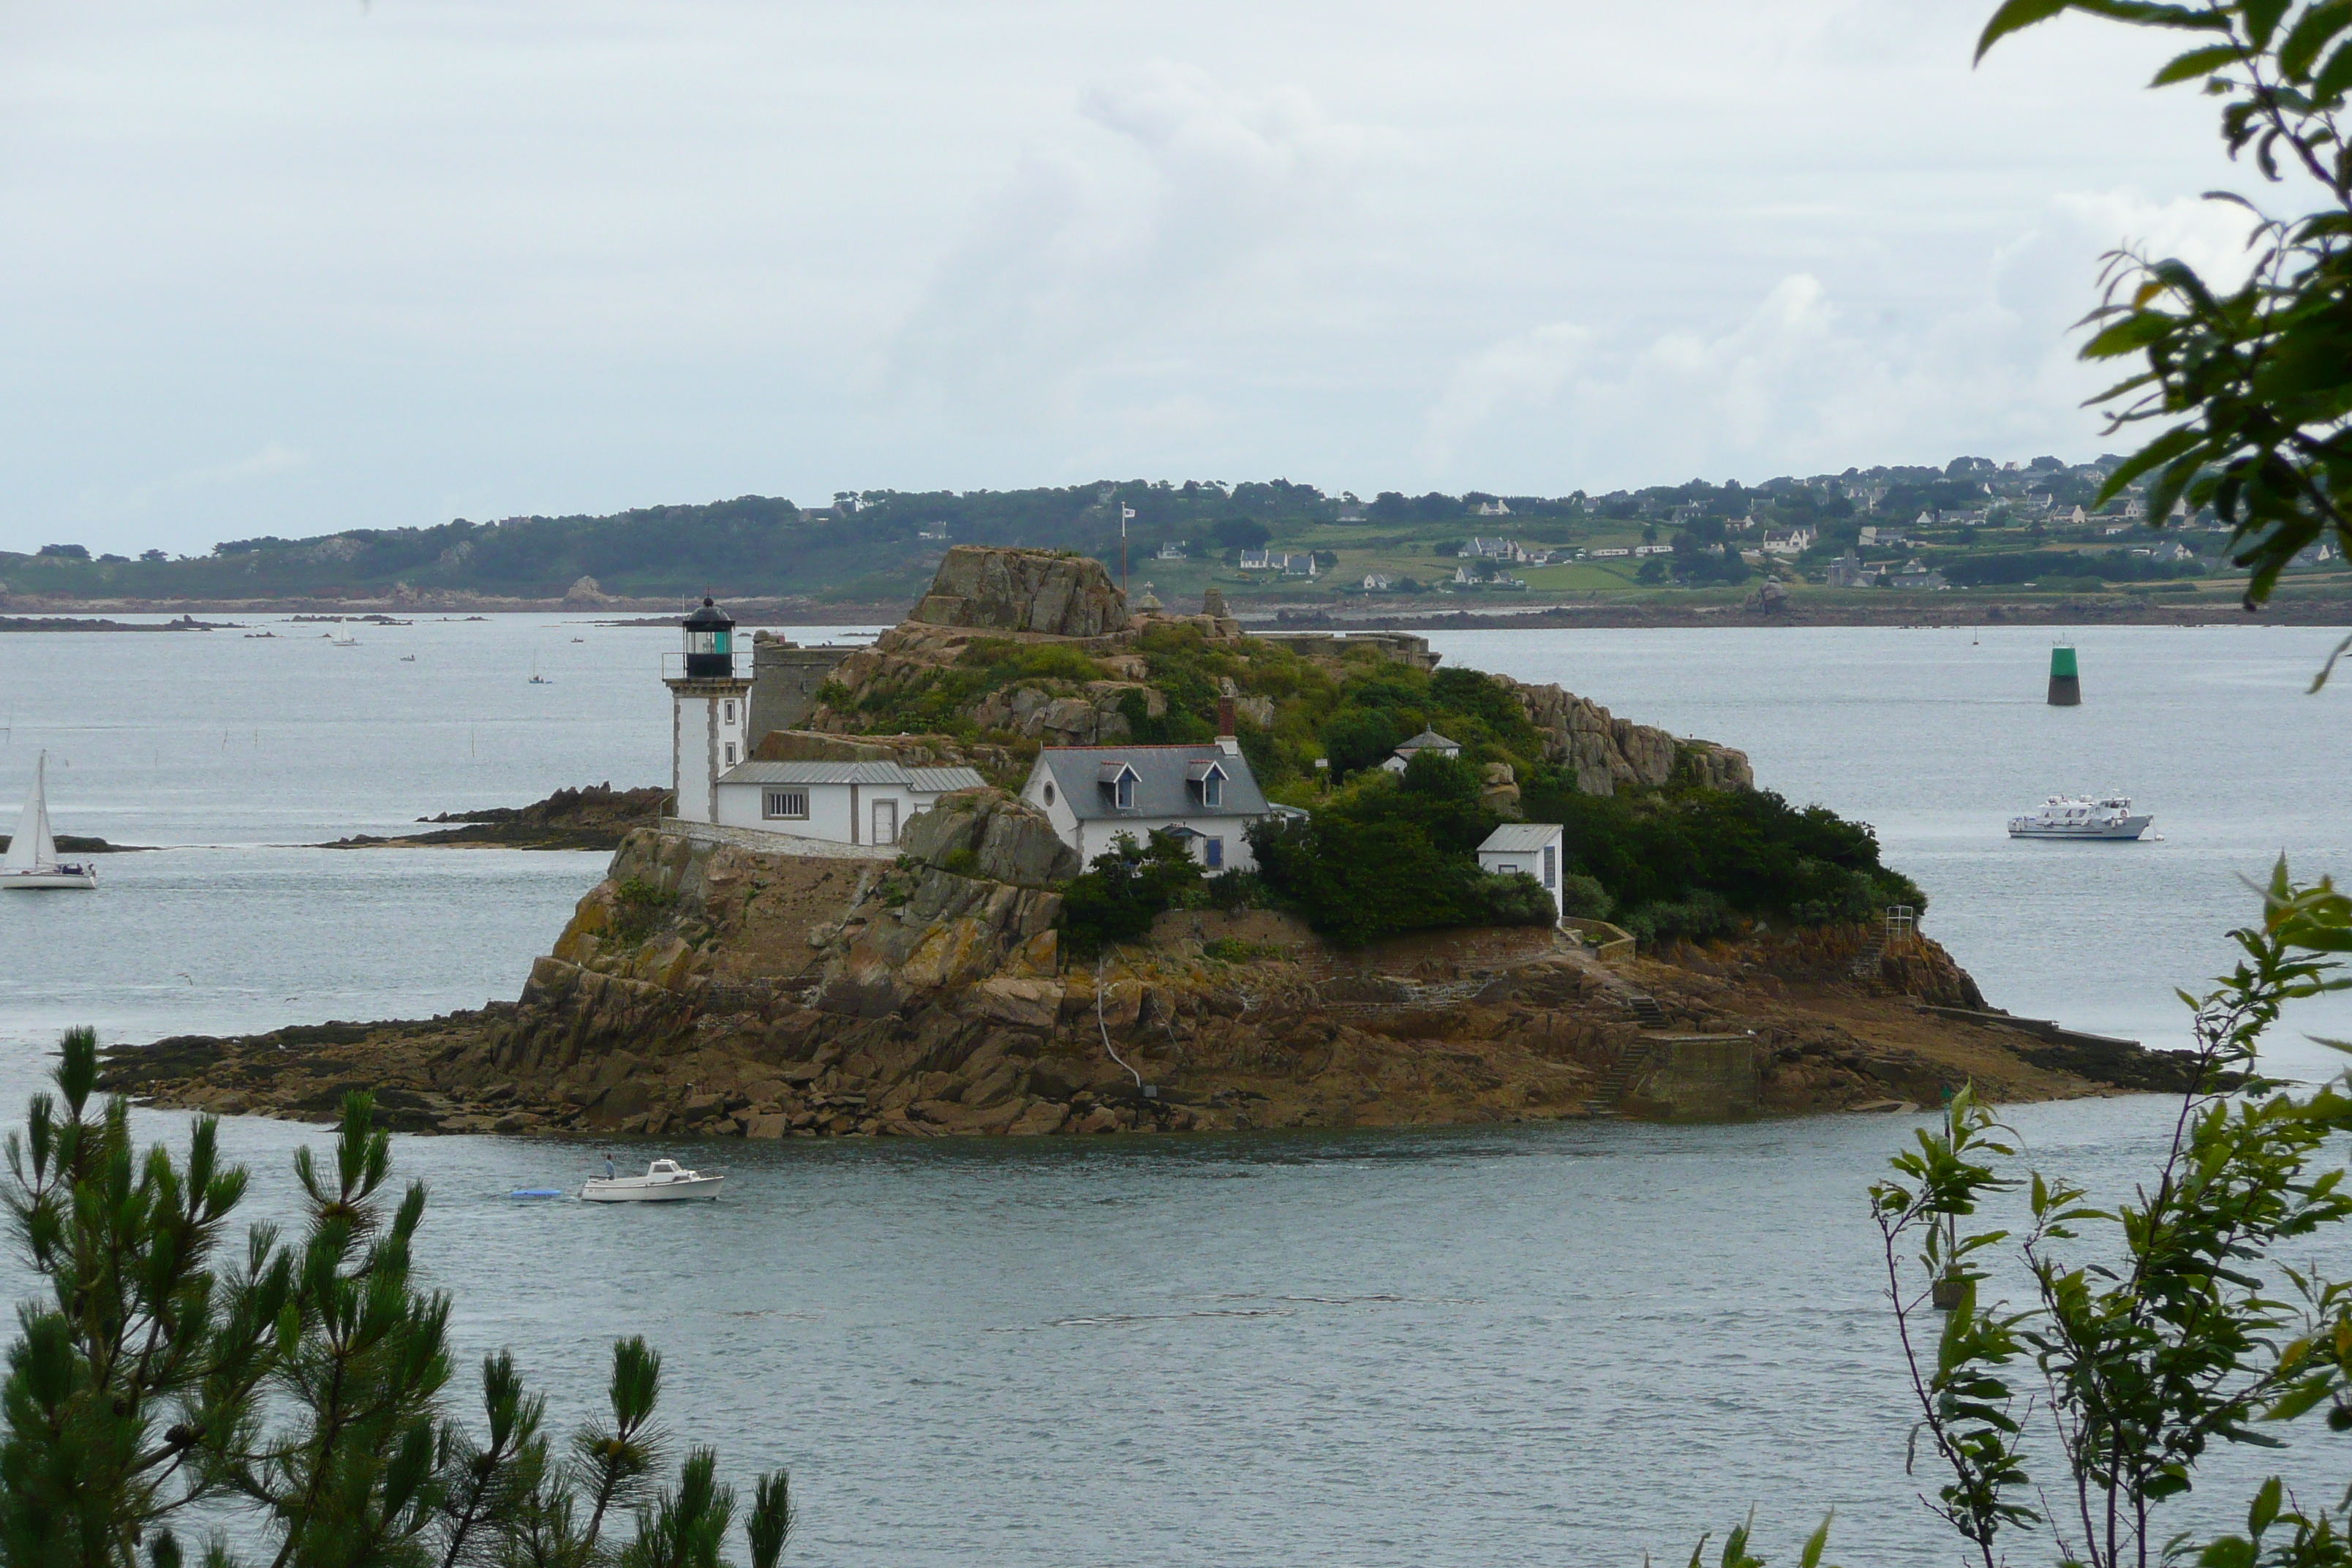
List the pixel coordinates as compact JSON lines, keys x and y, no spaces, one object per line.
{"x":1536,"y":848}
{"x":1493,"y":509}
{"x":1875,"y":538}
{"x":1349,"y":514}
{"x":2072,"y":517}
{"x":1684,"y":514}
{"x":1376,"y":582}
{"x":1465,"y":577}
{"x":1611,"y":554}
{"x":1925,"y":520}
{"x":2114,"y":528}
{"x":1427,"y":741}
{"x":1259,"y":561}
{"x":1204,"y":793}
{"x":937,"y":532}
{"x":1508,"y":549}
{"x":1914,"y":575}
{"x":1170,"y":550}
{"x":841,"y":802}
{"x":1787,"y":541}
{"x":1298,"y":565}
{"x":1653,"y":549}
{"x":1848,"y":572}
{"x":2170,"y":550}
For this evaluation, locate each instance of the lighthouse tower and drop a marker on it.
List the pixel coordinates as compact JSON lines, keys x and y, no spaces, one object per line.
{"x":710,"y":715}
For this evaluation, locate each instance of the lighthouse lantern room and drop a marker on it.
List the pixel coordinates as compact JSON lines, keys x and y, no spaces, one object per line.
{"x":710,"y":714}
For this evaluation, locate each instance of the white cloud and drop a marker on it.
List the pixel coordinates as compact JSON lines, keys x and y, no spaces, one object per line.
{"x":272,"y":458}
{"x":1170,"y":187}
{"x":1804,"y":380}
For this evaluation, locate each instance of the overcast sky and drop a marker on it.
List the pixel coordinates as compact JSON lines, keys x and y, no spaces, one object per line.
{"x":277,"y":266}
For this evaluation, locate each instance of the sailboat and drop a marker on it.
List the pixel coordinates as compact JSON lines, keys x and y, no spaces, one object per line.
{"x":32,"y":859}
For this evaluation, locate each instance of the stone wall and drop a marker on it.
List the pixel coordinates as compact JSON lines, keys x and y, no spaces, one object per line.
{"x":785,"y":678}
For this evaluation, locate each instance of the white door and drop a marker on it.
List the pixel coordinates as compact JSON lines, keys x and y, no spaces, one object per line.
{"x":886,"y":822}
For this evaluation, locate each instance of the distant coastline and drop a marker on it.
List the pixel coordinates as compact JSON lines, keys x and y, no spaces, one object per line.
{"x":2289,"y":607}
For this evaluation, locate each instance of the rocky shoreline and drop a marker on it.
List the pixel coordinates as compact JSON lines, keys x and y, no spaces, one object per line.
{"x":708,"y":990}
{"x":597,"y":816}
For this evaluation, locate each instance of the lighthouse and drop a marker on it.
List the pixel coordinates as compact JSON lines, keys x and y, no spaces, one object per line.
{"x":709,"y":714}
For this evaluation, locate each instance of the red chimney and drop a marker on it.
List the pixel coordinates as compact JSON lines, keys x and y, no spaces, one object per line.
{"x":1225,"y":716}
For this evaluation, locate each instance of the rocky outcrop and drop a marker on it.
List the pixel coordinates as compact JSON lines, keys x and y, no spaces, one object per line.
{"x":594,"y":818}
{"x":709,"y":989}
{"x":998,"y":762}
{"x":988,"y":833}
{"x":1093,"y":715}
{"x":999,"y":589}
{"x":1608,"y":753}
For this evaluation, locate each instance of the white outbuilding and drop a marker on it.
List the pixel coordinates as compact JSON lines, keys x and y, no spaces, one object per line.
{"x":867,"y":803}
{"x":1534,"y":847}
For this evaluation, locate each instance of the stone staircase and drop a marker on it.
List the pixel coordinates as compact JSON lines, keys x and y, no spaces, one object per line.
{"x":1629,"y":1062}
{"x":1618,"y":1078}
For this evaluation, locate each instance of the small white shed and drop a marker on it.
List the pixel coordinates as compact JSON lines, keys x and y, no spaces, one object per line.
{"x":1535,"y":847}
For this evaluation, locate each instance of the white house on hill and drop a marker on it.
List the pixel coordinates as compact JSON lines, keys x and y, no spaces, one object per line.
{"x":1204,"y":793}
{"x":842,"y":803}
{"x":1427,"y":741}
{"x":1535,"y":847}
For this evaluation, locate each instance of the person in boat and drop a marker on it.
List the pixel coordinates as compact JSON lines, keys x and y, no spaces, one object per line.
{"x":608,"y":1167}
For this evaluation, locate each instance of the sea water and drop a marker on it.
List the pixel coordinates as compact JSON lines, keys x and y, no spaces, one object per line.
{"x":1542,"y":1344}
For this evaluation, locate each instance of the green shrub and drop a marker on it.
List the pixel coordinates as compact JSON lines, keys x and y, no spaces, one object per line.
{"x":638,"y":908}
{"x":1233,"y":950}
{"x":1584,"y":897}
{"x":1128,"y":885}
{"x":1394,"y":854}
{"x":1754,"y":853}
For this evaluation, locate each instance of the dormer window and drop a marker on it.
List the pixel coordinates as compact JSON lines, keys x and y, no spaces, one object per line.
{"x":1212,"y":790}
{"x":1125,"y":790}
{"x":1118,"y":779}
{"x":1206,"y":784}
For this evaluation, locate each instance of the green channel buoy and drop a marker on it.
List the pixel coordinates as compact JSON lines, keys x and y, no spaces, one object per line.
{"x":2066,"y":681}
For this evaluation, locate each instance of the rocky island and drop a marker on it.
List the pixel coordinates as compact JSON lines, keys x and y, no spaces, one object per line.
{"x":1726,"y":955}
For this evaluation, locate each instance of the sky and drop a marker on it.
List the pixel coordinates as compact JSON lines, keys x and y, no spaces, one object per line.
{"x":289,"y":267}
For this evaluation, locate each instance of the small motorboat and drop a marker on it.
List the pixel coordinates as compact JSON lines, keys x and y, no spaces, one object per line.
{"x":664,"y":1181}
{"x":32,"y":859}
{"x":408,"y":658}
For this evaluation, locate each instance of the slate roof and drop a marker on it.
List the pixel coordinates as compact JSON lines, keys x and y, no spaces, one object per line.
{"x":1520,"y":838}
{"x":927,"y":780}
{"x":1081,"y":773}
{"x":1428,"y":739}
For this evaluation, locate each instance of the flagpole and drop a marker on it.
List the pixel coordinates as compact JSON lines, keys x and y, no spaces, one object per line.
{"x":1125,"y":512}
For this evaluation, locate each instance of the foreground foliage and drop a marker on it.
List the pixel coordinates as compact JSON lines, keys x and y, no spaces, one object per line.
{"x":2155,"y":1328}
{"x":169,"y":1378}
{"x":2250,"y":386}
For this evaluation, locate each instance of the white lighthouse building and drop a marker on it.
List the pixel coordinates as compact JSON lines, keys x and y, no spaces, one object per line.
{"x":710,"y":715}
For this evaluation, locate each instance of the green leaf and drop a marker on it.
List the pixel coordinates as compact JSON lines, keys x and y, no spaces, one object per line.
{"x":2196,"y":63}
{"x":2265,"y":1508}
{"x":2263,"y":19}
{"x":2015,"y":15}
{"x":2309,"y":34}
{"x":2334,"y":76}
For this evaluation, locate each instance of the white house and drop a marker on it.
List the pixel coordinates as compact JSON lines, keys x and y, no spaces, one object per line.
{"x":1787,"y":541}
{"x":1493,"y":509}
{"x":1259,"y":561}
{"x":1376,"y":582}
{"x":1427,"y":741}
{"x":1534,"y":847}
{"x":842,"y":803}
{"x":1171,"y":550}
{"x":1204,"y":793}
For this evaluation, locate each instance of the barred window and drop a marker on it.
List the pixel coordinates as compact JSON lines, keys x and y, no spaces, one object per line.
{"x":787,"y":803}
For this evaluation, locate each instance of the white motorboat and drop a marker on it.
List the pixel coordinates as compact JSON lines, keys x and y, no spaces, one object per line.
{"x":664,"y":1182}
{"x":32,"y":859}
{"x":2079,"y":817}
